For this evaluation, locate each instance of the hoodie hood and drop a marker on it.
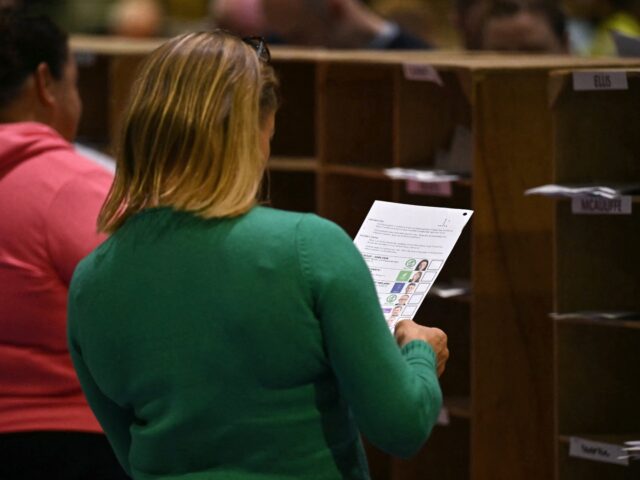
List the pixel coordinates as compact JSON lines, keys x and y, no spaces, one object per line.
{"x":25,"y":140}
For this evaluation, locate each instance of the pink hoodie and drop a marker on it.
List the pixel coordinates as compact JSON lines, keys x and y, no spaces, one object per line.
{"x":49,"y":201}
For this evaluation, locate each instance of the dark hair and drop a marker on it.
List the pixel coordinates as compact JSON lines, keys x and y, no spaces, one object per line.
{"x":419,"y":263}
{"x":548,"y":9}
{"x":26,"y":41}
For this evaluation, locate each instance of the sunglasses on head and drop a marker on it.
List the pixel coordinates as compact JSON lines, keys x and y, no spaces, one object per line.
{"x":260,"y":46}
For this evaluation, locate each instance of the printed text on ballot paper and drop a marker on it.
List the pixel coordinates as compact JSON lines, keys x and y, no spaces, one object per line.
{"x":405,"y":247}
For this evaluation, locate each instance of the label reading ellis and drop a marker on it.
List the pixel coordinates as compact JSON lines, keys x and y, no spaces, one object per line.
{"x":601,"y":206}
{"x":599,"y":80}
{"x":597,"y":451}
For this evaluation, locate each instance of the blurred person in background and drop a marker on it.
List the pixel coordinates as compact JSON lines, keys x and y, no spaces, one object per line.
{"x":130,"y":18}
{"x":90,"y":16}
{"x":524,"y":26}
{"x":468,"y":16}
{"x":593,"y":24}
{"x":243,"y":17}
{"x":136,"y":18}
{"x":149,"y":18}
{"x":323,"y":23}
{"x":420,"y":18}
{"x":49,"y":202}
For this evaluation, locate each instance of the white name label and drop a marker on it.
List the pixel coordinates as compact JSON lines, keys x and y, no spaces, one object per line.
{"x":597,"y":451}
{"x":601,"y":206}
{"x":421,"y":73}
{"x":587,"y":81}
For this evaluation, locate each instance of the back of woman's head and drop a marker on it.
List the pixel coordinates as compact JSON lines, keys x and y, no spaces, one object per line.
{"x":25,"y":42}
{"x":190,"y":135}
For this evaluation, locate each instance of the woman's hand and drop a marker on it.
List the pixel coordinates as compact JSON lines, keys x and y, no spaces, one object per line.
{"x":408,"y":330}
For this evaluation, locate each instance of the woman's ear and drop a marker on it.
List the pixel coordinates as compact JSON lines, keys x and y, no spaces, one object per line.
{"x":44,"y":83}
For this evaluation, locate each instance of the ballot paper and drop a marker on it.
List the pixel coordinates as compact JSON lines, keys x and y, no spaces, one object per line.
{"x":405,"y":247}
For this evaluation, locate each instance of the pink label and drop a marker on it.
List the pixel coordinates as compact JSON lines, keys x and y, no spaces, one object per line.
{"x":421,"y":73}
{"x":435,"y":189}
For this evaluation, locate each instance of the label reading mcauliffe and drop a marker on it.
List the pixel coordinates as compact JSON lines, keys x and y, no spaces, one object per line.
{"x":601,"y":206}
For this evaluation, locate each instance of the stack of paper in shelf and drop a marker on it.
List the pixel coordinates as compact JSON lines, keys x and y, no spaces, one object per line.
{"x":456,"y":288}
{"x":425,"y":182}
{"x":593,"y":315}
{"x":426,"y":176}
{"x":572,"y":191}
{"x":632,"y":449}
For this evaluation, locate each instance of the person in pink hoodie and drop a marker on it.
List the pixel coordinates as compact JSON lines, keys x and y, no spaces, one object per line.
{"x":49,"y":201}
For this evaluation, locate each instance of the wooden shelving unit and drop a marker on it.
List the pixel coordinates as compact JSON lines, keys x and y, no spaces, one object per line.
{"x":596,"y":269}
{"x":346,"y":117}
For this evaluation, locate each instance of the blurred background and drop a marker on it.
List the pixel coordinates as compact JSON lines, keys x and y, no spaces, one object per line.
{"x":581,"y":27}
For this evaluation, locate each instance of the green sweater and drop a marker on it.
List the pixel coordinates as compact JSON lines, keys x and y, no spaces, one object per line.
{"x":244,"y":348}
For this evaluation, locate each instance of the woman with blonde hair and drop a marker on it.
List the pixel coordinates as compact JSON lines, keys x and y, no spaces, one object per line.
{"x":192,"y":372}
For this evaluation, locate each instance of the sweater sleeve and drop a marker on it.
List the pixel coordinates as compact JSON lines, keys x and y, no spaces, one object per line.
{"x":71,"y":228}
{"x":114,"y":419}
{"x":393,"y":393}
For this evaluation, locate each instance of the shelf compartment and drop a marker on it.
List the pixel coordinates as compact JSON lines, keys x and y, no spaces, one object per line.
{"x":595,"y":133}
{"x":290,"y":190}
{"x":426,"y":117}
{"x":596,"y":379}
{"x":596,"y":261}
{"x":358,"y":100}
{"x":295,"y":133}
{"x":453,"y":319}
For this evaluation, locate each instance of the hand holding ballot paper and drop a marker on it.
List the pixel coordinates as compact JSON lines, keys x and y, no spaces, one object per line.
{"x":405,"y":247}
{"x":407,"y":331}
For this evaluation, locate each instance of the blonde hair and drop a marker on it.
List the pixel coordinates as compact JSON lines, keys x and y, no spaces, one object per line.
{"x":190,"y":137}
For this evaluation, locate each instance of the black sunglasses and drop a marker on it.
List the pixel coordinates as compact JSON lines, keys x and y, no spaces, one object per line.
{"x":260,"y":46}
